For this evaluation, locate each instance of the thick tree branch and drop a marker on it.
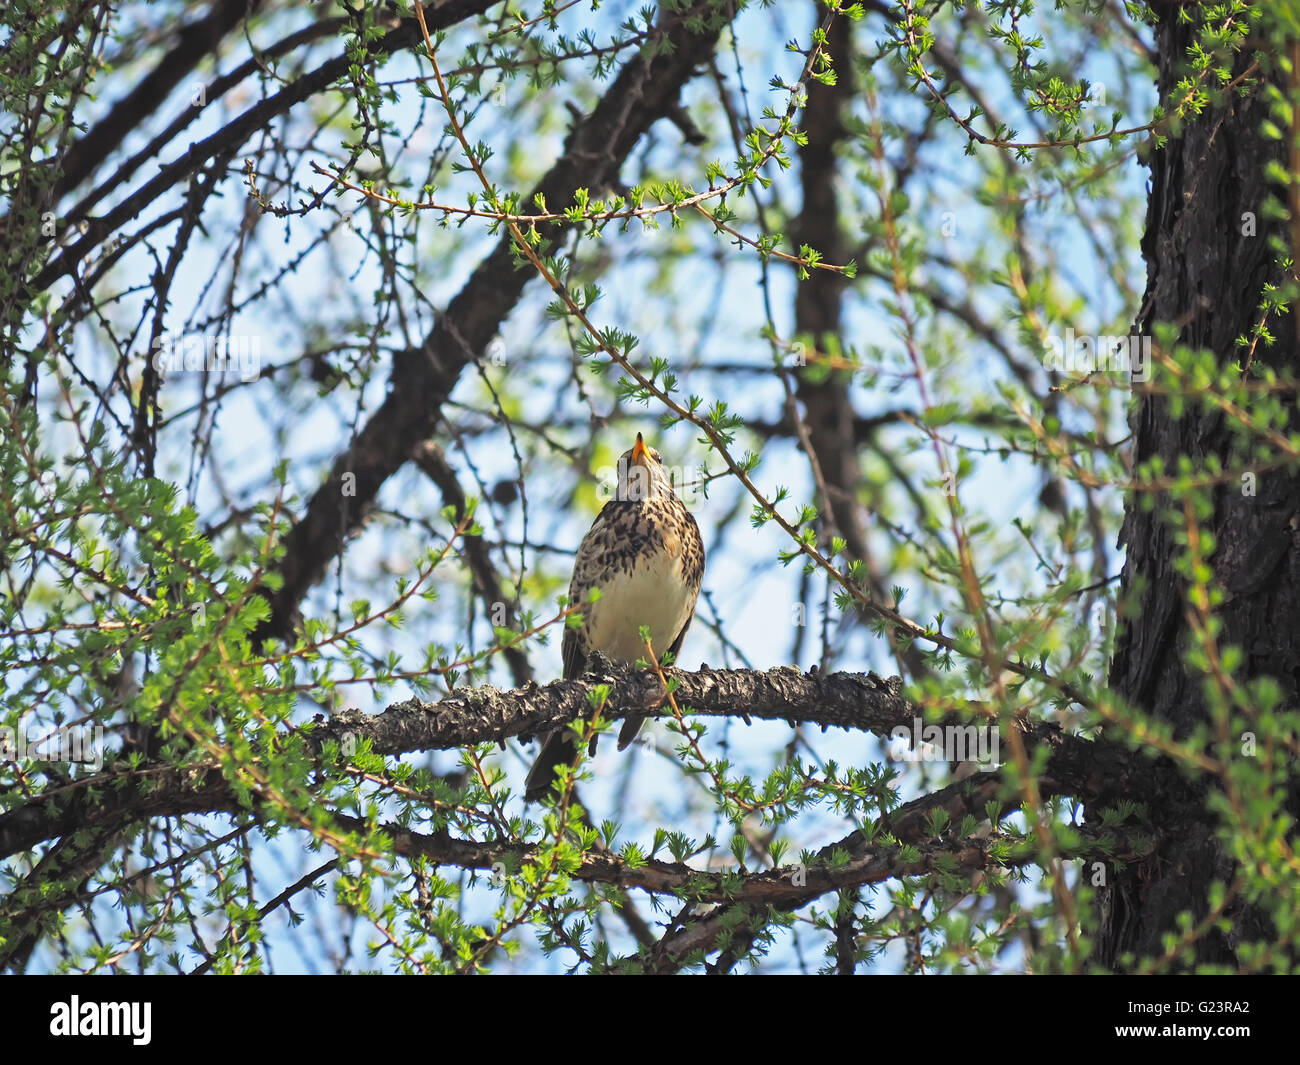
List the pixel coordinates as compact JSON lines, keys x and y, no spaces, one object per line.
{"x":859,"y":701}
{"x":231,"y":136}
{"x":788,"y":887}
{"x":194,"y":41}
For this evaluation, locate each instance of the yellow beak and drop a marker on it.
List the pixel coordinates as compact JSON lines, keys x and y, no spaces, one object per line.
{"x":640,"y":454}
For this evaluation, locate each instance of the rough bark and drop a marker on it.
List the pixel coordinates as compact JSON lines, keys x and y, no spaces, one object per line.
{"x":1207,"y":276}
{"x":818,"y":303}
{"x":855,"y":701}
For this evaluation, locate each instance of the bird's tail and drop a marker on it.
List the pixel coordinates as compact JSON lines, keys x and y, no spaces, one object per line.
{"x":631,"y":726}
{"x":558,"y":748}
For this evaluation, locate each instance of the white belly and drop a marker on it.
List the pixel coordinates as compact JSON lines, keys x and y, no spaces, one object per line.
{"x":652,"y":594}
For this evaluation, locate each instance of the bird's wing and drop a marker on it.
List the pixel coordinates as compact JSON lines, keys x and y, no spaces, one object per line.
{"x":573,"y":647}
{"x":695,"y":578}
{"x":676,"y":645}
{"x":574,"y":650}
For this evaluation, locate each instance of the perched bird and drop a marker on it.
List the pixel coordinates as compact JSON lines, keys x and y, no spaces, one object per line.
{"x":645,"y":554}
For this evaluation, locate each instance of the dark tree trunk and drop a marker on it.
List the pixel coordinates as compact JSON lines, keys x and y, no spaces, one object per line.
{"x":829,"y":413}
{"x":818,"y":303}
{"x":1206,"y":276}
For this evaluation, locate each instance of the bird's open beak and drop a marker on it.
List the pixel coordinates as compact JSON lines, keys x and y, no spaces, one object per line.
{"x":640,"y":453}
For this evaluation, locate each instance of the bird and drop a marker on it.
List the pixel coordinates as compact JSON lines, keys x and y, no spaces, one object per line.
{"x":645,"y":554}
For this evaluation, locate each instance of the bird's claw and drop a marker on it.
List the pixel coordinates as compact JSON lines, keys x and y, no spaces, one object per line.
{"x":598,"y":665}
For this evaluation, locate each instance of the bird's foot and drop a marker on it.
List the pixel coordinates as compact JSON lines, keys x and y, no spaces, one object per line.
{"x":598,"y":665}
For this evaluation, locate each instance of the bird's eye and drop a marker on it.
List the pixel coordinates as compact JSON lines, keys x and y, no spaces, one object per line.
{"x":655,"y":455}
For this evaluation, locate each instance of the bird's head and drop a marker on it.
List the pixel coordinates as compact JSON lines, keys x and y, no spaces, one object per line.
{"x":641,"y":473}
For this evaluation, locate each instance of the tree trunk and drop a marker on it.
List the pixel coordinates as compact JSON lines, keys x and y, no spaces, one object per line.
{"x":1206,"y":275}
